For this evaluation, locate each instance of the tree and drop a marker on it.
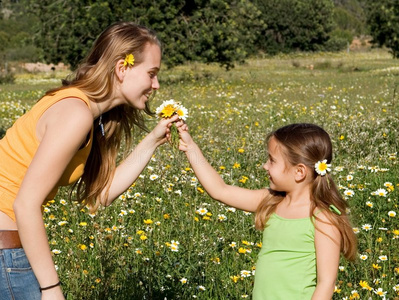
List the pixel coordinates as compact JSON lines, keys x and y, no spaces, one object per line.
{"x":295,"y":24}
{"x":199,"y":30}
{"x":383,"y":21}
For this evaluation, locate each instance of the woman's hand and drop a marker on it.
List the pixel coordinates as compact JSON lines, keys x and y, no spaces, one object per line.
{"x":162,"y":130}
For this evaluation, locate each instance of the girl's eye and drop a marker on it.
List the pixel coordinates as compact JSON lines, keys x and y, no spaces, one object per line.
{"x":153,"y":75}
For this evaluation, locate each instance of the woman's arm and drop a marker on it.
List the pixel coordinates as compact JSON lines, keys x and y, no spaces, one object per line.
{"x":240,"y":198}
{"x":327,"y":243}
{"x":130,"y":169}
{"x":62,"y":130}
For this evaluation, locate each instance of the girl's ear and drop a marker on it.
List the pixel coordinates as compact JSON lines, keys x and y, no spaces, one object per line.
{"x":301,"y":172}
{"x":120,"y":70}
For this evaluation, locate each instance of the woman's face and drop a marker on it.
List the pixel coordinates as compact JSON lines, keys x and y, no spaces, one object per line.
{"x":141,"y":80}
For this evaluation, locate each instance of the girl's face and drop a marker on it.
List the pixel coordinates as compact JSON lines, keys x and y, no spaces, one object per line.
{"x":141,"y":80}
{"x":279,"y":170}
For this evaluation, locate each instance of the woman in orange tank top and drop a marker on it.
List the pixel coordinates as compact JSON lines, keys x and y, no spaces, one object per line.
{"x":97,"y":106}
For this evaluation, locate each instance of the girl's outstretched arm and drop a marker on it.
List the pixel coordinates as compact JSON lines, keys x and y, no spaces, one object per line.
{"x":240,"y":198}
{"x":327,"y":243}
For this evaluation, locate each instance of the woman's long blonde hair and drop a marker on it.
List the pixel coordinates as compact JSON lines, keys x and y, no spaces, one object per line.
{"x":95,"y":76}
{"x":307,"y":144}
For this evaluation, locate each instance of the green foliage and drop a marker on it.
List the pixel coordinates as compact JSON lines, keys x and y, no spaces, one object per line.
{"x":295,"y":24}
{"x":383,"y":20}
{"x":203,"y":30}
{"x":16,"y":32}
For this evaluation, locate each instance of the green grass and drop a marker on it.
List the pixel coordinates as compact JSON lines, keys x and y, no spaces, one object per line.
{"x":123,"y":252}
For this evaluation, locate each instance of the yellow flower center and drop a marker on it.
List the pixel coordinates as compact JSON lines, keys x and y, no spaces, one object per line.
{"x":168,"y":111}
{"x":323,"y":166}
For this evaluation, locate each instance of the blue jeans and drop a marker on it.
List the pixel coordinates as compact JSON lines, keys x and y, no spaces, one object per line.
{"x":17,"y":280}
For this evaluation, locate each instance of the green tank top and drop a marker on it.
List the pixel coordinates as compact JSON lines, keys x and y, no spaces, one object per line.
{"x":286,"y":266}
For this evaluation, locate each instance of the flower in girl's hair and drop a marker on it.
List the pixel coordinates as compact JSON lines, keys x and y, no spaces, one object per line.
{"x":322,"y":167}
{"x":168,"y":109}
{"x":129,"y":60}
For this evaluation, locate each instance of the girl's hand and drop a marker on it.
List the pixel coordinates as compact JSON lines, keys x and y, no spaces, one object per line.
{"x":185,"y":138}
{"x":162,"y":130}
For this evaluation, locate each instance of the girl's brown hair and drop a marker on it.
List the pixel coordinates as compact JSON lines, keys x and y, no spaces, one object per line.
{"x":95,"y":76}
{"x":307,"y":144}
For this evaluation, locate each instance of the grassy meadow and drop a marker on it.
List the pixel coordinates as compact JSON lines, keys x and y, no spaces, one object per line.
{"x":165,"y":238}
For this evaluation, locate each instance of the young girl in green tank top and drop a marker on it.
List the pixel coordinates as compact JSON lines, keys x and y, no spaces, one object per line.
{"x":302,"y":214}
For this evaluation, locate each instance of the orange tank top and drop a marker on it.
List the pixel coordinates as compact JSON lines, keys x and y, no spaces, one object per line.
{"x":20,"y":143}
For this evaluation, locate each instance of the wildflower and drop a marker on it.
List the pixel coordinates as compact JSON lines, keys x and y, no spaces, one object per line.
{"x":153,"y":177}
{"x":236,"y":166}
{"x":123,"y":213}
{"x":355,"y":230}
{"x":396,"y":288}
{"x":363,"y":256}
{"x":82,"y":224}
{"x":62,"y":223}
{"x":367,"y":227}
{"x":383,"y":258}
{"x":242,"y":250}
{"x":222,"y":218}
{"x":170,"y":107}
{"x":241,"y":150}
{"x":201,"y":288}
{"x":392,"y":214}
{"x":339,"y":169}
{"x":83,"y":247}
{"x":365,"y":285}
{"x":201,"y":211}
{"x":174,"y":246}
{"x":233,"y":244}
{"x":380,"y":292}
{"x":376,"y":266}
{"x":235,"y":278}
{"x":148,"y":221}
{"x":143,"y":237}
{"x":341,"y":268}
{"x":380,"y":192}
{"x":370,"y":204}
{"x":63,"y":202}
{"x":245,"y":273}
{"x":322,"y":167}
{"x":56,"y":251}
{"x":349,"y":193}
{"x":183,"y":280}
{"x":355,"y":294}
{"x":349,"y":178}
{"x":243,"y":179}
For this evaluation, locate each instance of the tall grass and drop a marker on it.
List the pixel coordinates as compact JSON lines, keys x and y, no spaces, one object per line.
{"x":165,"y":238}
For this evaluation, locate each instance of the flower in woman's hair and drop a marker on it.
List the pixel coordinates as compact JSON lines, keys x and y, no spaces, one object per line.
{"x":129,"y":60}
{"x":322,"y":167}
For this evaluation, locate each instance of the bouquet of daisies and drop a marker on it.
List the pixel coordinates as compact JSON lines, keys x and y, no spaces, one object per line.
{"x":168,"y":109}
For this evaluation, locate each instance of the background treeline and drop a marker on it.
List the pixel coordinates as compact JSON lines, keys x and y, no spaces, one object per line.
{"x":222,"y":31}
